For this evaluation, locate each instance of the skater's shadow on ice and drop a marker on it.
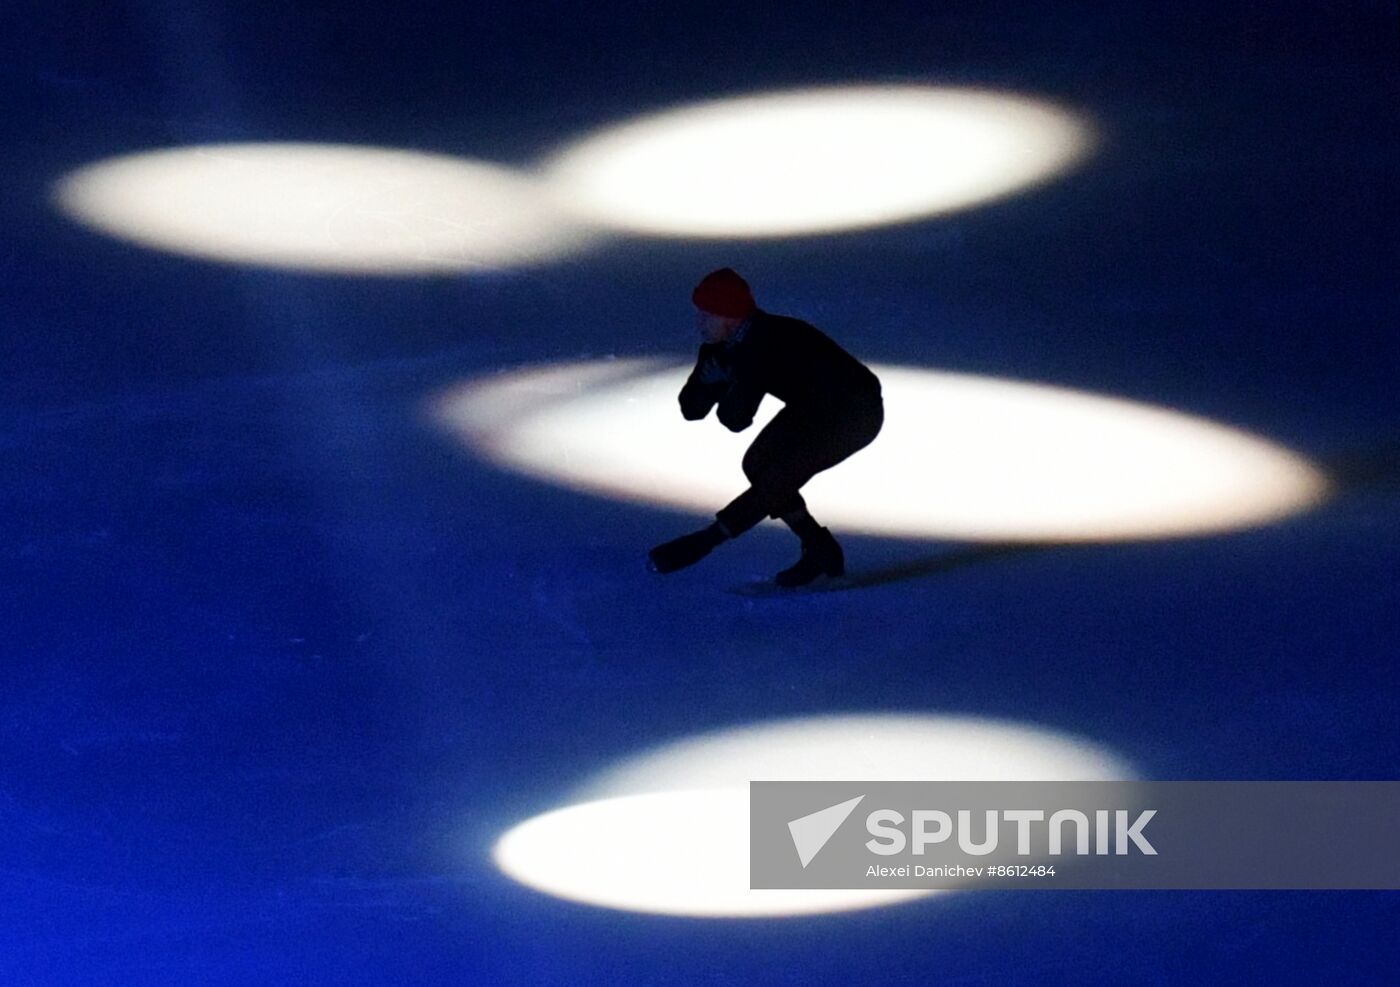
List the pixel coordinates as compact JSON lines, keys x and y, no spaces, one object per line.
{"x":946,"y":562}
{"x":935,"y":565}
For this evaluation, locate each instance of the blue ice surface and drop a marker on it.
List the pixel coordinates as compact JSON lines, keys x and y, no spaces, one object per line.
{"x":281,"y":661}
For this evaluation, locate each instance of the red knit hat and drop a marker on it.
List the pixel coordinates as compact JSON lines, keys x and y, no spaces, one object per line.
{"x":723,"y":292}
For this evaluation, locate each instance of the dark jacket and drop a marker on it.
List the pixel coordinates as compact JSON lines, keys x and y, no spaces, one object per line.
{"x":795,"y":362}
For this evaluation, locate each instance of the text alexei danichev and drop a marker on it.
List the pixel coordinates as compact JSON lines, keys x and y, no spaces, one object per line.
{"x":920,"y":870}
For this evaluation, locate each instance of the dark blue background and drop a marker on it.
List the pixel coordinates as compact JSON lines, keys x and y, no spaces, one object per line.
{"x":280,"y":662}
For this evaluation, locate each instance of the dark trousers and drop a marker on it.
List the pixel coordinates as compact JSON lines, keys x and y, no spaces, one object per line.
{"x":794,"y":447}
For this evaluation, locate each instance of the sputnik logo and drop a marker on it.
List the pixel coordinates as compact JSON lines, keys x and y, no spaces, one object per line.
{"x":812,"y":832}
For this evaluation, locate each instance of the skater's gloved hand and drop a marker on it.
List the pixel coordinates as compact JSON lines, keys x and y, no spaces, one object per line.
{"x":712,"y":371}
{"x":735,"y":417}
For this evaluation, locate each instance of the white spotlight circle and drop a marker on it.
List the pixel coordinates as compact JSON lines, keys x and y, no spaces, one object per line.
{"x":815,"y":160}
{"x":321,"y":207}
{"x":961,"y":456}
{"x":667,"y":832}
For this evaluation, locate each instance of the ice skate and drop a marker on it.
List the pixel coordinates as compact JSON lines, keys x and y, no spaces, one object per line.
{"x":684,"y":551}
{"x":821,"y":556}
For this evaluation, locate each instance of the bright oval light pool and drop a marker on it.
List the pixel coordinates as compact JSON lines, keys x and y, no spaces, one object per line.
{"x":667,"y":832}
{"x":961,"y":456}
{"x":320,"y":207}
{"x":815,"y":160}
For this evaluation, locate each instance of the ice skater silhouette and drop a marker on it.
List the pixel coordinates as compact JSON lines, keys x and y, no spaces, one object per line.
{"x":831,"y":409}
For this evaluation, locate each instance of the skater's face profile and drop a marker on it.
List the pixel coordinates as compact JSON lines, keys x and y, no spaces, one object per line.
{"x":715,"y":328}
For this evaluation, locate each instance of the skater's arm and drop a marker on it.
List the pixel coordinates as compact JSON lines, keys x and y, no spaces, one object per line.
{"x":737,"y":408}
{"x":703,"y":387}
